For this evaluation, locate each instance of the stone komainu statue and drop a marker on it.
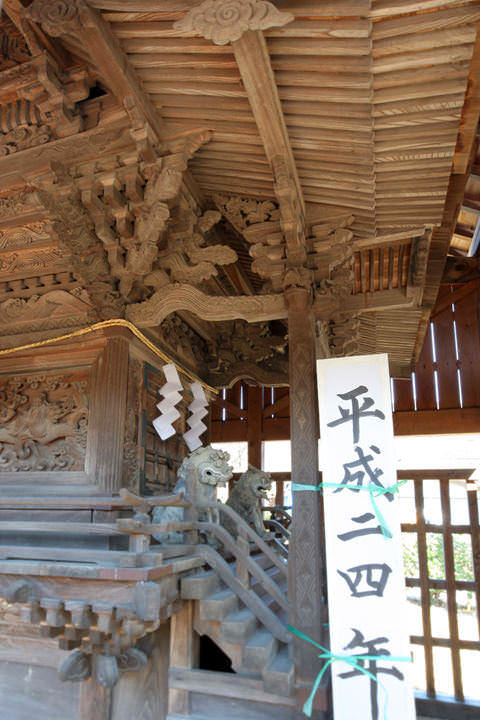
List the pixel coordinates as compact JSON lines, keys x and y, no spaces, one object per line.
{"x":206,"y":468}
{"x":246,"y":499}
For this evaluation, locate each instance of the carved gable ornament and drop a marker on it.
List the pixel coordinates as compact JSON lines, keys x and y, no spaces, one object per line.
{"x":224,"y":21}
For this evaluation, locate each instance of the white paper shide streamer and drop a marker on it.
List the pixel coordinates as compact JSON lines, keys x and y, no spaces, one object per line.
{"x":198,"y":409}
{"x":171,"y":396}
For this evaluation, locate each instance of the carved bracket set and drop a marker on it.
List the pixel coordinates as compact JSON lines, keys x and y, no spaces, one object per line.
{"x":105,"y":633}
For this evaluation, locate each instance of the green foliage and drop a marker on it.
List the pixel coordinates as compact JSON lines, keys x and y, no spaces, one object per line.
{"x":462,"y":552}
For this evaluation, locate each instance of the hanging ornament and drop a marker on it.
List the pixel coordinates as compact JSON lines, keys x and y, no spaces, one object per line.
{"x":171,"y":396}
{"x":198,"y":409}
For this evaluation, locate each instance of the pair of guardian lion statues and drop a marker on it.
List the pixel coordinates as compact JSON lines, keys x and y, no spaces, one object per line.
{"x":199,"y":475}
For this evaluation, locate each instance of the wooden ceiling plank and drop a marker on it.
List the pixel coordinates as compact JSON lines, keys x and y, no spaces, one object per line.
{"x":389,"y":8}
{"x":471,"y":114}
{"x":420,"y":91}
{"x":421,"y":75}
{"x":438,"y":56}
{"x":417,"y":23}
{"x":318,"y":8}
{"x":181,"y":60}
{"x":419,"y":41}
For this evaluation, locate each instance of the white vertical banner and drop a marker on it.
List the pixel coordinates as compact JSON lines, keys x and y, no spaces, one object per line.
{"x":366,"y":587}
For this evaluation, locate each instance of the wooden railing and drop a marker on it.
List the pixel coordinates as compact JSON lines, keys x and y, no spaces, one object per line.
{"x":246,"y":569}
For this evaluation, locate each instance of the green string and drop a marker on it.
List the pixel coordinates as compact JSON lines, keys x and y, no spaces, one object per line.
{"x":352,"y":660}
{"x":373,"y":490}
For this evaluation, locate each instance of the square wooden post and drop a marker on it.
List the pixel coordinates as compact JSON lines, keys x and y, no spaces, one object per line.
{"x":254,"y":426}
{"x":107,"y":416}
{"x":306,"y":571}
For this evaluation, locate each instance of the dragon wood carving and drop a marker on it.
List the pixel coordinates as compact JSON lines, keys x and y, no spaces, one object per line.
{"x":43,"y":422}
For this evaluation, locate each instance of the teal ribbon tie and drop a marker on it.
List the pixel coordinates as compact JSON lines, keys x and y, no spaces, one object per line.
{"x":352,"y":660}
{"x":373,"y":490}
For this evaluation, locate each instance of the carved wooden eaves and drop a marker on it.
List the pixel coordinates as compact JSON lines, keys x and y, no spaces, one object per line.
{"x":38,"y":103}
{"x":76,"y":17}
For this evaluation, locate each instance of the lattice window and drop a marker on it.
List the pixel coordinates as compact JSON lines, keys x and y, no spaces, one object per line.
{"x":442,"y":563}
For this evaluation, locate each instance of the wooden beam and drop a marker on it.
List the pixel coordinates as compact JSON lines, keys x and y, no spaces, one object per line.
{"x":208,"y":307}
{"x":362,"y":302}
{"x":391,"y":239}
{"x":253,"y":60}
{"x":437,"y":422}
{"x":458,"y":294}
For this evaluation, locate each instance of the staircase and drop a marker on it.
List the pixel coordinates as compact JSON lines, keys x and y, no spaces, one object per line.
{"x":240,"y":603}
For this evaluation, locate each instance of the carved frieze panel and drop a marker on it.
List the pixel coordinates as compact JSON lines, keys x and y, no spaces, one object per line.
{"x":25,"y":202}
{"x":43,"y":422}
{"x":31,"y":262}
{"x":24,"y":236}
{"x":57,"y":308}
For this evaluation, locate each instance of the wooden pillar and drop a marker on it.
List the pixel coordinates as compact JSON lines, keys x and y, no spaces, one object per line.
{"x":183,"y":653}
{"x":95,"y":701}
{"x":306,"y":581}
{"x":254,"y":426}
{"x":107,"y":415}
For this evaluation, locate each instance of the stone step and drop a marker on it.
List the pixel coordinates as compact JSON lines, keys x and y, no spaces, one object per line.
{"x":259,"y":650}
{"x":279,"y":676}
{"x":199,"y":585}
{"x":238,"y":626}
{"x":218,"y":605}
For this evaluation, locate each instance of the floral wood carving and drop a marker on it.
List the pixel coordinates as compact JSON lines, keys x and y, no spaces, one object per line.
{"x":178,"y":336}
{"x":185,"y":257}
{"x":243,"y":212}
{"x":43,"y":422}
{"x":15,"y":204}
{"x":224,"y":21}
{"x":57,"y":17}
{"x":252,"y":349}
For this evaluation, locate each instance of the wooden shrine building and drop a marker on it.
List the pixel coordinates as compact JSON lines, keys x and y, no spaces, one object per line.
{"x":238,"y":187}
